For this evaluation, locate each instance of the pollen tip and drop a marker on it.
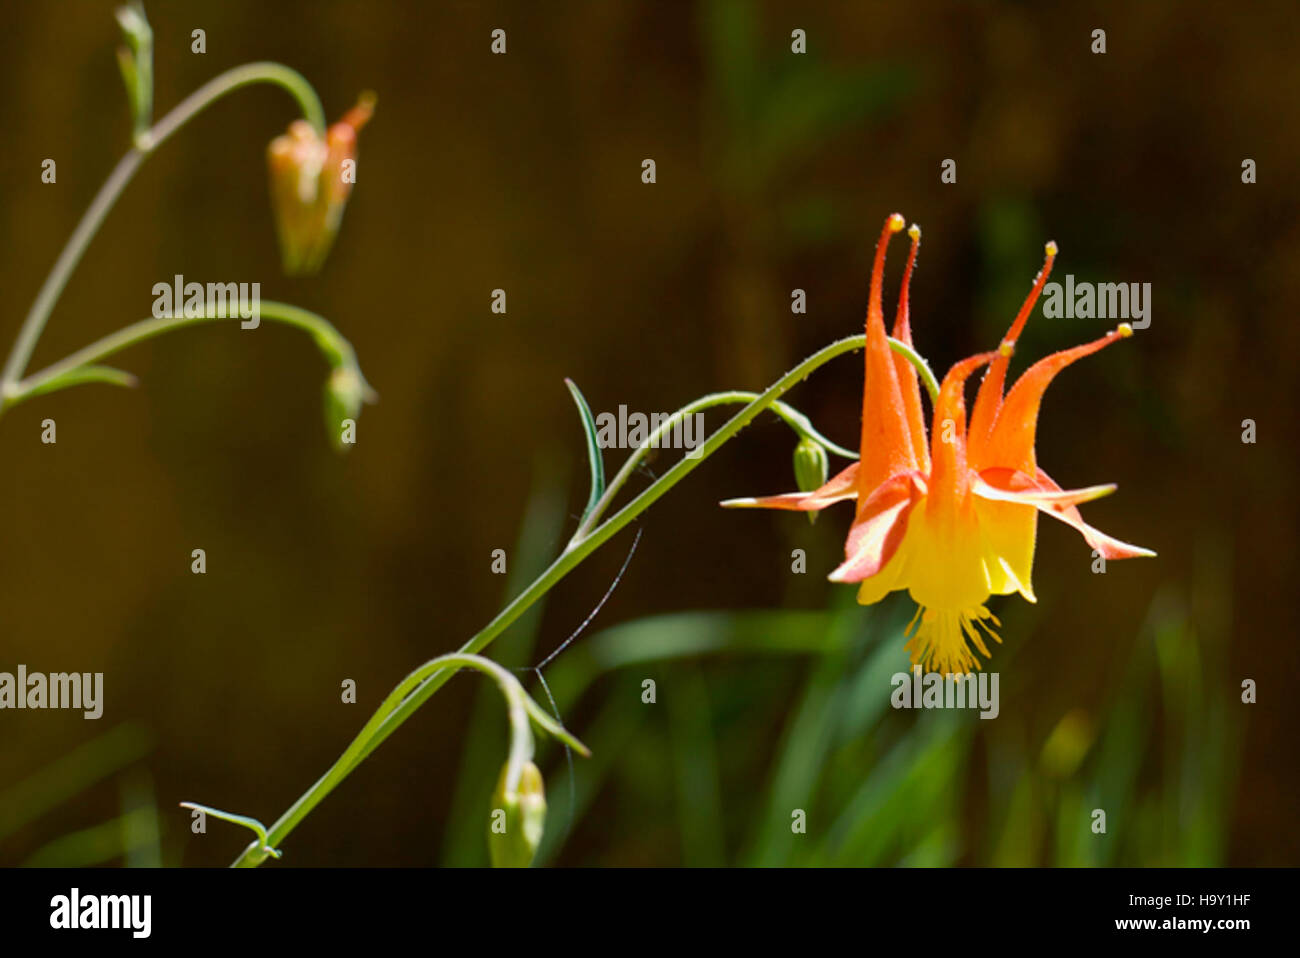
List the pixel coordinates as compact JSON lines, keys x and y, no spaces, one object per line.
{"x":1124,"y":330}
{"x":1051,"y":248}
{"x":1007,"y":348}
{"x":914,"y":231}
{"x":896,"y":222}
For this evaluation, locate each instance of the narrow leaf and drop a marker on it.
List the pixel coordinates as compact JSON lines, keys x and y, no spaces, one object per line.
{"x":251,"y":823}
{"x":85,"y":374}
{"x":593,"y":449}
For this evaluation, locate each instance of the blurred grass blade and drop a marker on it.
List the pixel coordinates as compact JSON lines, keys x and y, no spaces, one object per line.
{"x":802,"y":753}
{"x":141,"y":826}
{"x":542,"y":525}
{"x":613,"y":731}
{"x":98,"y":844}
{"x":593,"y":450}
{"x":71,"y":775}
{"x":913,"y":787}
{"x":699,"y":793}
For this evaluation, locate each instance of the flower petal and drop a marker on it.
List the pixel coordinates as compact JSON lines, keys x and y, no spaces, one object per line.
{"x":1011,"y":485}
{"x":1008,"y":533}
{"x":841,"y":486}
{"x":1044,"y":494}
{"x":908,"y":381}
{"x":1011,"y":442}
{"x":879,"y":527}
{"x":886,"y":445}
{"x":989,"y":398}
{"x":948,"y":473}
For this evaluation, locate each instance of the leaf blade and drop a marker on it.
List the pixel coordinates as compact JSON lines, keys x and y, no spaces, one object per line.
{"x":594,"y":458}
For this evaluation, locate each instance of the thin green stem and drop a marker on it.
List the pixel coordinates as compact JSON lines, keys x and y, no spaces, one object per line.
{"x":797,"y":420}
{"x":414,"y":692}
{"x":337,"y":350}
{"x":259,"y":845}
{"x":919,"y":364}
{"x":293,"y":82}
{"x":146,"y":143}
{"x":520,"y":705}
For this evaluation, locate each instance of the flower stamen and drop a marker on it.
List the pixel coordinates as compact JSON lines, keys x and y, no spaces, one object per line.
{"x":942,"y":641}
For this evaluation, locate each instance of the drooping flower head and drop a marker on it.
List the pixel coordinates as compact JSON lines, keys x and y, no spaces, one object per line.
{"x":311,"y":178}
{"x":951,"y":515}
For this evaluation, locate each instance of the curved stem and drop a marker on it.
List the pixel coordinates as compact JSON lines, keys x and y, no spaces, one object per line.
{"x":413,"y":693}
{"x":293,"y":82}
{"x":919,"y":364}
{"x":521,"y":708}
{"x":797,"y":420}
{"x":331,"y":342}
{"x":204,"y":96}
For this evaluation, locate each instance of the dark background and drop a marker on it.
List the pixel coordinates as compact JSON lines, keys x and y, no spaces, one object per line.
{"x":523,"y":172}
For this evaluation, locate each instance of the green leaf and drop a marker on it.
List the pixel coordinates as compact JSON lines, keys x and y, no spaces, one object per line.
{"x":593,"y":449}
{"x":85,"y":374}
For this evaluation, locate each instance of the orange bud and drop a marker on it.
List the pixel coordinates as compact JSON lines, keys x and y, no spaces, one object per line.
{"x":311,"y":178}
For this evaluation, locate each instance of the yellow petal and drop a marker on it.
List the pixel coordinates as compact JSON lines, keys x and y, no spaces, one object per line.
{"x":946,"y":567}
{"x":1009,"y":531}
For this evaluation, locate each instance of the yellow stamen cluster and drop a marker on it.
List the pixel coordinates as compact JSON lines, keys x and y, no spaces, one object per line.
{"x":940,"y":640}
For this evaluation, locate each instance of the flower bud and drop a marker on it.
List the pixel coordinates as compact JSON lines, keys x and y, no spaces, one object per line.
{"x":810,"y":468}
{"x":311,"y":178}
{"x":135,"y":59}
{"x":518,"y":819}
{"x":345,"y":392}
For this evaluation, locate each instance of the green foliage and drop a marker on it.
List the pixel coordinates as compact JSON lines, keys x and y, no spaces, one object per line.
{"x":760,"y":713}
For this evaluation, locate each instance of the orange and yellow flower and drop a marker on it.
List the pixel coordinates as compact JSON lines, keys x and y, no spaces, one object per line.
{"x":951,"y":517}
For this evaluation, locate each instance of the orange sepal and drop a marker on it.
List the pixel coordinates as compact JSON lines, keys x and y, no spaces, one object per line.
{"x":841,"y":486}
{"x":886,"y":438}
{"x":1011,"y":441}
{"x":908,"y":380}
{"x":989,"y":398}
{"x":878,"y":531}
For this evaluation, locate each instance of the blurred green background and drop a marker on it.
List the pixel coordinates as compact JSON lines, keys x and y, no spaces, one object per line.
{"x":1119,"y":691}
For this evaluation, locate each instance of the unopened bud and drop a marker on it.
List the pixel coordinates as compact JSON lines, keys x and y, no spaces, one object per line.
{"x":135,"y":59}
{"x":810,"y":468}
{"x":311,"y":178}
{"x":518,"y":819}
{"x":345,"y":392}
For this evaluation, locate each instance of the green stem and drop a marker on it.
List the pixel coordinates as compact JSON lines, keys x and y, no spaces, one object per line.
{"x":520,"y":706}
{"x":797,"y":420}
{"x":336,"y":349}
{"x":93,"y":218}
{"x":410,"y":695}
{"x":919,"y":364}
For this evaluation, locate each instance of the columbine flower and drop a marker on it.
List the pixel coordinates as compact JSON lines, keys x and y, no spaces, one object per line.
{"x":951,"y":517}
{"x":310,"y":185}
